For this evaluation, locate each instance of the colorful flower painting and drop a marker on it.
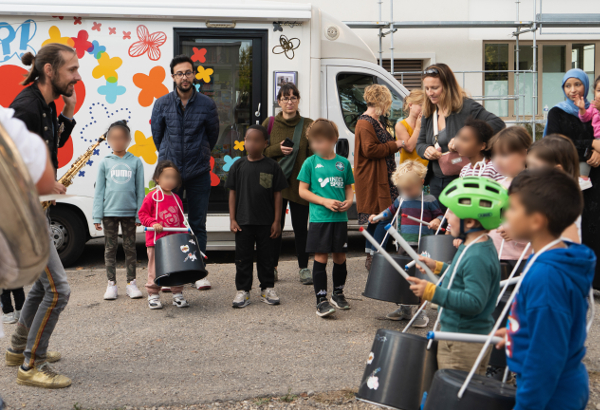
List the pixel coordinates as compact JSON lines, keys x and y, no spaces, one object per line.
{"x":152,"y":85}
{"x":144,"y":148}
{"x":148,"y":43}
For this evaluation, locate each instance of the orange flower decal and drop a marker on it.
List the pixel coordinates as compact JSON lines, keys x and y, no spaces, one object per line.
{"x":56,"y":37}
{"x":144,"y":148}
{"x":204,"y":74}
{"x":152,"y":85}
{"x":107,"y":67}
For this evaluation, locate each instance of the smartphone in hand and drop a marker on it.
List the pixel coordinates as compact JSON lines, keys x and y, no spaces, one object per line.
{"x":288,"y":143}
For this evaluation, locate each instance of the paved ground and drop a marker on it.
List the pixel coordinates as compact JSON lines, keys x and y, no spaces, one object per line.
{"x":122,"y":355}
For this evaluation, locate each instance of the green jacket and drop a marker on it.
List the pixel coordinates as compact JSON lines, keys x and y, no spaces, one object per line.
{"x":469,"y":303}
{"x":283,"y":129}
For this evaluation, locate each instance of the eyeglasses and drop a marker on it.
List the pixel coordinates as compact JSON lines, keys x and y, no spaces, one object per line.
{"x":431,"y":71}
{"x":188,"y":74}
{"x":289,"y":99}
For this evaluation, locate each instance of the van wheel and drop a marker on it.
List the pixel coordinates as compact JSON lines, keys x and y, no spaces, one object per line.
{"x":68,"y":233}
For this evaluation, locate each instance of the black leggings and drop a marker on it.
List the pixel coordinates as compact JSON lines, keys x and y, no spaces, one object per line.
{"x":18,"y":294}
{"x":299,"y":215}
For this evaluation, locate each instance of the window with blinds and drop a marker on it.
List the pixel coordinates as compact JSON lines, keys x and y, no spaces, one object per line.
{"x":410,"y":81}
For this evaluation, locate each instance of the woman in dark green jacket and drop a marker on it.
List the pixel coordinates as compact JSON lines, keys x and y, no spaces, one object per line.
{"x":290,"y":124}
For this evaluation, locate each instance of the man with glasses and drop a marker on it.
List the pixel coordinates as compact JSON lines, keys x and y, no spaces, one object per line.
{"x":185,"y":128}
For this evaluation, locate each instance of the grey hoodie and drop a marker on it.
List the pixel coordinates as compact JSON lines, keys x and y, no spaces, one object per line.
{"x":119,"y":187}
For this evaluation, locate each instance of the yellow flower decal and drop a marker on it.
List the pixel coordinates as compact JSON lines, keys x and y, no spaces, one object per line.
{"x":239,"y":145}
{"x":107,"y":67}
{"x":204,"y":74}
{"x":55,"y":37}
{"x":144,"y":148}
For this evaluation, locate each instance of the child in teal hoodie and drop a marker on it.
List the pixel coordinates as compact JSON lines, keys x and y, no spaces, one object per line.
{"x":475,"y":206}
{"x":118,"y":197}
{"x":546,"y":331}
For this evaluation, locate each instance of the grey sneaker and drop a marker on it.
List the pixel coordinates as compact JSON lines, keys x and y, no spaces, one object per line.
{"x":306,"y":276}
{"x":422,"y":320}
{"x":275,"y":275}
{"x":404,"y":312}
{"x":241,"y":300}
{"x":269,"y":296}
{"x":9,"y":318}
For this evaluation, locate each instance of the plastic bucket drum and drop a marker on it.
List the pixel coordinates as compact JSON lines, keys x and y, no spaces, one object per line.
{"x":481,"y":393}
{"x":399,"y":370}
{"x":385,"y":283}
{"x":178,"y":260}
{"x":498,"y":357}
{"x":439,"y":247}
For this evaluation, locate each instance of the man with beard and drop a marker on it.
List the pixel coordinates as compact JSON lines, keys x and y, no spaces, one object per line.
{"x":185,"y":128}
{"x":54,"y":73}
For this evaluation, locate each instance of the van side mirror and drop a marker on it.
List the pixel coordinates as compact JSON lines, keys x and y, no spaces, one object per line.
{"x":342,"y":148}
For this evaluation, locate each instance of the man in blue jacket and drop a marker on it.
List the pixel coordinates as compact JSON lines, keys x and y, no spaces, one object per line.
{"x":185,"y":128}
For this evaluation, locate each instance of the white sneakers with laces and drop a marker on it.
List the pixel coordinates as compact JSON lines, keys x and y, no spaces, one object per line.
{"x":202,"y":284}
{"x":132,"y":290}
{"x":154,"y":302}
{"x":111,"y":291}
{"x":269,"y":296}
{"x":179,"y":300}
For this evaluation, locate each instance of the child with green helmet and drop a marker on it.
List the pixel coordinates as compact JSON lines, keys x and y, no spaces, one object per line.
{"x":475,"y":206}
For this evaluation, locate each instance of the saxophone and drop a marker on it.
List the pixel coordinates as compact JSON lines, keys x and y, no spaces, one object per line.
{"x":67,"y":178}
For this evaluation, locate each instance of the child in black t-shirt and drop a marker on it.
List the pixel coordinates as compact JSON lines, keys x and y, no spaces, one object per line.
{"x":255,"y":184}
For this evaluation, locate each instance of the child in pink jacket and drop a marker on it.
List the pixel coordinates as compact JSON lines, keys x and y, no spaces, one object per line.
{"x":162,"y":208}
{"x":591,"y":113}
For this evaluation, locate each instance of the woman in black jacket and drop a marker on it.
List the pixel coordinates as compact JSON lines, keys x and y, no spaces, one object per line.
{"x":447,"y":100}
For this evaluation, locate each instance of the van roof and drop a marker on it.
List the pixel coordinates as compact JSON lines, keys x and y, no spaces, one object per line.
{"x":160,"y":9}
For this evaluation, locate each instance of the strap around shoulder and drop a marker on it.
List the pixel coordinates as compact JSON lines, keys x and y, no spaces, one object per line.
{"x":270,"y":126}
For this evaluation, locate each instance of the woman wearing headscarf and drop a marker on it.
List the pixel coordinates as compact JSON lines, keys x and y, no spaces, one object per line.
{"x":563,"y":119}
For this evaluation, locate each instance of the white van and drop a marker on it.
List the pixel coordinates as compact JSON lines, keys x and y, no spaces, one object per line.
{"x":242,"y":50}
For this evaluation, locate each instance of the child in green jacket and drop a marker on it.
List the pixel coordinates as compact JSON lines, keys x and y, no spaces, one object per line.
{"x":475,"y":205}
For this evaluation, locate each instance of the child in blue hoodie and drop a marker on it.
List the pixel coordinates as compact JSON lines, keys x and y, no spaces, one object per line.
{"x":118,"y":197}
{"x":546,"y":329}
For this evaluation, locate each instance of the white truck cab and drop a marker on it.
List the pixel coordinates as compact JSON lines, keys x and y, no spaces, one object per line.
{"x":242,"y":50}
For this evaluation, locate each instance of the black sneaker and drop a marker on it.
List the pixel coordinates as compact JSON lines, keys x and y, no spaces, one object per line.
{"x":339,"y":301}
{"x":324,"y":308}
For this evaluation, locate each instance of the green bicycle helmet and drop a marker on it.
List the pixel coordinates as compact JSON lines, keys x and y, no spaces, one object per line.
{"x":479,"y":198}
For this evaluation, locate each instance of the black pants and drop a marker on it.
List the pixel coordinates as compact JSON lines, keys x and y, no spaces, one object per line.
{"x":299,"y":215}
{"x":18,"y":294}
{"x":244,"y":256}
{"x":437,"y":185}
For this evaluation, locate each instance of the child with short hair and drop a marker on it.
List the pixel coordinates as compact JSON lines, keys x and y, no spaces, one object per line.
{"x":546,"y":331}
{"x":591,"y":112}
{"x":475,"y":206}
{"x":409,"y":178}
{"x":255,"y":183}
{"x":118,"y":196}
{"x":162,"y":208}
{"x":473,"y":142}
{"x":326,"y":182}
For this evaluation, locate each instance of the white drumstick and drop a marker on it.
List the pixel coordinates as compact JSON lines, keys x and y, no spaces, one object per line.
{"x":462,"y":337}
{"x":412,"y":218}
{"x":150,"y":229}
{"x":384,"y":215}
{"x":384,"y":253}
{"x":411,"y":252}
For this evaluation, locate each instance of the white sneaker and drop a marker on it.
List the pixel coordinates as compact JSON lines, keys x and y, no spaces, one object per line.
{"x":202,"y":284}
{"x":179,"y":300}
{"x":17,"y":315}
{"x":111,"y":291}
{"x":269,"y":296}
{"x":154,"y":302}
{"x":9,"y":318}
{"x":242,"y":299}
{"x":132,"y":290}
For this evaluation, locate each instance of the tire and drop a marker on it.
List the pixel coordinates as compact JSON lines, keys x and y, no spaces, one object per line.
{"x":68,"y":232}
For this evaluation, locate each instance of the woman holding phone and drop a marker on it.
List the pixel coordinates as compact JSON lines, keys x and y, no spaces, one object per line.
{"x":289,"y":146}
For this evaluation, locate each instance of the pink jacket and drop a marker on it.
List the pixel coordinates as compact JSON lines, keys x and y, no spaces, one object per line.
{"x":592,"y":114}
{"x":165,"y":212}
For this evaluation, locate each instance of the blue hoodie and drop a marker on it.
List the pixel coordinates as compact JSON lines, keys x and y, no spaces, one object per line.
{"x":546,"y":330}
{"x":120,"y":187}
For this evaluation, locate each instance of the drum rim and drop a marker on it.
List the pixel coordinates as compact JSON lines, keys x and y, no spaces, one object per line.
{"x":399,"y":332}
{"x":377,"y":404}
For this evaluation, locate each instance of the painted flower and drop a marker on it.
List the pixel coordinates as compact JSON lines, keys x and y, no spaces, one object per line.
{"x":373,"y":383}
{"x":371,"y":357}
{"x":96,"y":49}
{"x":149,"y":43}
{"x":111,"y":90}
{"x":107,"y":67}
{"x":56,"y":37}
{"x":184,"y":248}
{"x":144,"y":148}
{"x":239,"y":145}
{"x":204,"y":74}
{"x":151,"y":85}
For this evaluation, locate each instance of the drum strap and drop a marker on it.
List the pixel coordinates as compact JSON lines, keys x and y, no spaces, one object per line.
{"x":157,"y":189}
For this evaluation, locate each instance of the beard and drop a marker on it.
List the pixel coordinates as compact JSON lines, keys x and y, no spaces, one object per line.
{"x":183,"y":89}
{"x":62,"y":88}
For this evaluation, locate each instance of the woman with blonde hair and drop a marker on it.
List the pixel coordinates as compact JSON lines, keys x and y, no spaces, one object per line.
{"x":374,"y":162}
{"x":445,"y":111}
{"x":409,"y":128}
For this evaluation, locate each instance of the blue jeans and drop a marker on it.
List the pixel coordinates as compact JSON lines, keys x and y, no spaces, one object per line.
{"x":377,"y":231}
{"x":197,"y":191}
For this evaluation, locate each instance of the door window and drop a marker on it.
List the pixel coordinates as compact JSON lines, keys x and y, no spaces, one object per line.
{"x":351,"y":88}
{"x":396,"y":112}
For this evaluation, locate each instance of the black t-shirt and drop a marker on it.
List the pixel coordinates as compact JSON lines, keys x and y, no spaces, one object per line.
{"x":255,"y":184}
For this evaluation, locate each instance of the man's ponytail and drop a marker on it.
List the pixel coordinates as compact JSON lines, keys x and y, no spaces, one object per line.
{"x":49,"y":54}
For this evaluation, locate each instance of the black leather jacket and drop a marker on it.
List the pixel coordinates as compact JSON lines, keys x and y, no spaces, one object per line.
{"x":41,"y":118}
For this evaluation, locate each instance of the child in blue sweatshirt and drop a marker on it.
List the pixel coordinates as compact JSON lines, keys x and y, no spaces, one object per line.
{"x":118,"y":197}
{"x":546,"y":329}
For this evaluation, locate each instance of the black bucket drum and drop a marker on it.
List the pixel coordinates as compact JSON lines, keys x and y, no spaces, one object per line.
{"x":439,"y":248}
{"x":498,"y":357}
{"x":399,"y":370}
{"x":385,"y":282}
{"x":178,"y":260}
{"x":481,"y":393}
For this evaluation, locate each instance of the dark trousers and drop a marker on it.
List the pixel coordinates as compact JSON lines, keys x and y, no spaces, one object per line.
{"x":18,"y":294}
{"x":377,"y":231}
{"x":111,"y":244}
{"x":197,"y":190}
{"x":299,"y":214}
{"x":437,"y":185}
{"x":244,"y":256}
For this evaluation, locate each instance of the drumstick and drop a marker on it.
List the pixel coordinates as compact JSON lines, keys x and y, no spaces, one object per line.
{"x":150,"y":229}
{"x":462,"y":337}
{"x":412,"y":218}
{"x":411,"y":252}
{"x":384,"y":215}
{"x":384,"y":253}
